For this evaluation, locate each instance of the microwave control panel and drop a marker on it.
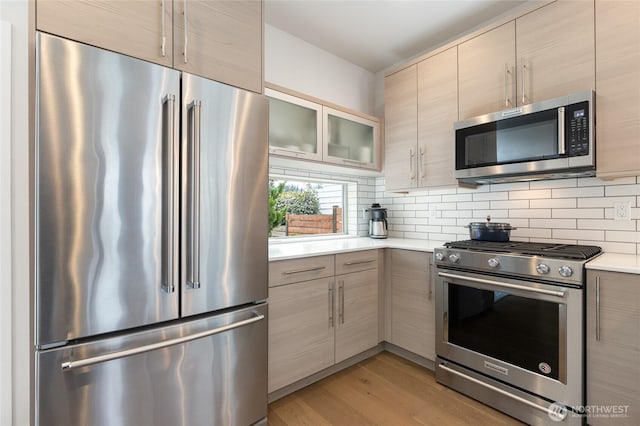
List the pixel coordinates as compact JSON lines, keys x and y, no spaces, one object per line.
{"x":578,"y":129}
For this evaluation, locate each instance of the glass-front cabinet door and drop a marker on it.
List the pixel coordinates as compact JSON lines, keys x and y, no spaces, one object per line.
{"x":295,"y":126}
{"x":350,"y":140}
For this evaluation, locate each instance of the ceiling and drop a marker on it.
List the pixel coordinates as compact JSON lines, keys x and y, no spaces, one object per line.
{"x":376,"y":34}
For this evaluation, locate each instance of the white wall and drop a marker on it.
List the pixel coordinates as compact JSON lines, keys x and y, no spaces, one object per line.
{"x":297,"y":65}
{"x":16,"y":13}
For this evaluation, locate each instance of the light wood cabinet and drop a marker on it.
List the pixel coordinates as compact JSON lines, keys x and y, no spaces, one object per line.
{"x":618,"y":88}
{"x":316,"y":323}
{"x":421,"y":105}
{"x":134,"y":28}
{"x":223,"y":40}
{"x":555,"y":51}
{"x":541,"y":55}
{"x":437,"y":111}
{"x":487,"y":72}
{"x":412,"y":302}
{"x":401,"y":128}
{"x":357,"y":320}
{"x":301,"y":333}
{"x":613,"y":345}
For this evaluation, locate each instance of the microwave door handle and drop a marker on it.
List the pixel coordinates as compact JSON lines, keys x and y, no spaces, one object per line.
{"x":561,"y":131}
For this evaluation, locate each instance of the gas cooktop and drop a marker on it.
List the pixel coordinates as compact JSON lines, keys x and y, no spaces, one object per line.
{"x":552,"y":250}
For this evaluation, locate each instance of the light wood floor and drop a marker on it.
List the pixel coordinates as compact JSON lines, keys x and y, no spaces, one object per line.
{"x":382,"y":390}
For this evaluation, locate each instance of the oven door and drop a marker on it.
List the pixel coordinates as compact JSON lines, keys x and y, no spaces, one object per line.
{"x":526,"y":334}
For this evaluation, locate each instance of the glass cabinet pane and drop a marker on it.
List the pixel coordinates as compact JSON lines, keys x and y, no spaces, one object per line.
{"x":350,"y":139}
{"x":294,"y":126}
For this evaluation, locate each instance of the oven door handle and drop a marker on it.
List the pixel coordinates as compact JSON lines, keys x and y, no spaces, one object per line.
{"x":558,"y":293}
{"x":542,"y":408}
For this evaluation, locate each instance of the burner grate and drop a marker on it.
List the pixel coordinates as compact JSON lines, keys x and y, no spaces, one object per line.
{"x":565,"y":251}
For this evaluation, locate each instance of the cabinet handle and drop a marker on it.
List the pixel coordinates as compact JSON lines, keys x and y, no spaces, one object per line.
{"x":359,"y":262}
{"x":341,"y":295}
{"x":429,"y":282}
{"x":186,"y":37}
{"x":507,"y":71}
{"x":412,"y":173}
{"x":524,"y":68}
{"x":598,"y":308}
{"x":421,"y":162}
{"x":163,"y":47}
{"x":331,"y":304}
{"x":297,"y":271}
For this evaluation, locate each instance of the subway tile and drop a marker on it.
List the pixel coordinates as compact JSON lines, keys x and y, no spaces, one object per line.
{"x":457,"y":213}
{"x":457,"y":198}
{"x":417,"y":235}
{"x":605,"y":202}
{"x":395,"y":220}
{"x":495,"y":214}
{"x":513,"y":186}
{"x":622,"y":190}
{"x":404,"y":213}
{"x":588,"y":191}
{"x":511,"y":204}
{"x":471,"y":206}
{"x":578,"y":234}
{"x":443,"y":191}
{"x":553,"y":203}
{"x":422,"y":199}
{"x":396,"y":234}
{"x":556,"y":183}
{"x":416,"y":221}
{"x":610,"y":225}
{"x":433,"y":199}
{"x":490,"y":196}
{"x":553,"y":241}
{"x":442,"y":237}
{"x":530,"y":213}
{"x":417,"y":206}
{"x":594,"y":181}
{"x":574,"y":213}
{"x":404,"y":228}
{"x":622,"y":236}
{"x":531,"y":233}
{"x":613,"y":247}
{"x":530,"y":195}
{"x":442,"y":221}
{"x":445,"y":206}
{"x":422,"y":213}
{"x":454,"y":230}
{"x":553,"y":223}
{"x":428,"y":228}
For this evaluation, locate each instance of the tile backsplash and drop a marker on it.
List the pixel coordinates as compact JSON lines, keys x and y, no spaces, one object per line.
{"x":572,"y":211}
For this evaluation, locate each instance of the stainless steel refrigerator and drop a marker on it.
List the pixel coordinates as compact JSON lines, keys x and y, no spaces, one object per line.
{"x":150,"y":244}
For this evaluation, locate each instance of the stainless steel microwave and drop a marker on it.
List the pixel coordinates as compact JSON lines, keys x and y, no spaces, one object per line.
{"x":543,"y":140}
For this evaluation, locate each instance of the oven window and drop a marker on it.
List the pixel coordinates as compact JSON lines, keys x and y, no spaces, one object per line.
{"x":514,"y":329}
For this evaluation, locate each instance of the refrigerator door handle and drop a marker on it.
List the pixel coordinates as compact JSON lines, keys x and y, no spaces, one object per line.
{"x":171,"y":197}
{"x":70,"y":365}
{"x":194,"y":133}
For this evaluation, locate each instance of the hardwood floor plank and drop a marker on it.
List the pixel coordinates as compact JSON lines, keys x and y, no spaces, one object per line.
{"x":383,"y":390}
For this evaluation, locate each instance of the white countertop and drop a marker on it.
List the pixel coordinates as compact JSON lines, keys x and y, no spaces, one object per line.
{"x":629,"y":263}
{"x":292,"y":250}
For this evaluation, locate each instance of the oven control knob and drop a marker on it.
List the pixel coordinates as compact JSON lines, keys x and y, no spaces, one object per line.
{"x":565,"y":271}
{"x":543,"y":269}
{"x":493,"y":262}
{"x":439,"y":256}
{"x":454,"y":258}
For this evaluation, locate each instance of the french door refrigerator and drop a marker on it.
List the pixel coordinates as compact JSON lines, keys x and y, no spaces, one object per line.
{"x":150,"y":244}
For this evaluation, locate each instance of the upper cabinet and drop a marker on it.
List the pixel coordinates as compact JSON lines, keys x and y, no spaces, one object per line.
{"x":487,"y":72}
{"x":401,"y":128}
{"x":307,"y":129}
{"x":437,"y":111}
{"x":618,"y":88}
{"x":421,"y":105}
{"x":543,"y":54}
{"x":222,"y":41}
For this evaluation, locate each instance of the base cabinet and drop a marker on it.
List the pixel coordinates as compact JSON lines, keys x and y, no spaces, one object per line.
{"x":613,"y":348}
{"x":317,"y":323}
{"x":412,"y":303}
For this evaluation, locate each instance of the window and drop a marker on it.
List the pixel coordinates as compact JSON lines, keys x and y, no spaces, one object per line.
{"x":301,"y":207}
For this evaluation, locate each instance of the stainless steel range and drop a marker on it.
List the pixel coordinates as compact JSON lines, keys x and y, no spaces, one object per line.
{"x":510,"y":326}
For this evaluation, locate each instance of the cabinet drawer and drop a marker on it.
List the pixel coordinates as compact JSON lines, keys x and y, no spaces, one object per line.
{"x":356,"y":261}
{"x":296,"y":270}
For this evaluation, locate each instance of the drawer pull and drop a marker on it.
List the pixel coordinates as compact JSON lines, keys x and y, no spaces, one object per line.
{"x":359,"y":262}
{"x":298,"y":271}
